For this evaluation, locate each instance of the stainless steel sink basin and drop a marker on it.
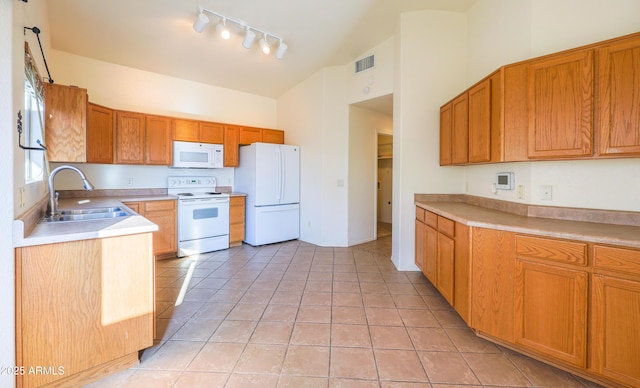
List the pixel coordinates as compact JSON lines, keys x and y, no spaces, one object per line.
{"x":95,"y":213}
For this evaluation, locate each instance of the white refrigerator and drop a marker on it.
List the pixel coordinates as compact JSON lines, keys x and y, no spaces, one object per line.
{"x":270,"y":176}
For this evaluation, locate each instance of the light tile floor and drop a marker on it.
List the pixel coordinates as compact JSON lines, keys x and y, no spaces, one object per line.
{"x":298,"y":315}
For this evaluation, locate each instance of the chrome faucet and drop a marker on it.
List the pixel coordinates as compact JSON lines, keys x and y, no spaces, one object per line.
{"x":53,"y":196}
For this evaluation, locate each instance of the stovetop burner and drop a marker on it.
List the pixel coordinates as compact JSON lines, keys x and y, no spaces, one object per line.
{"x":213,"y":193}
{"x":185,"y":194}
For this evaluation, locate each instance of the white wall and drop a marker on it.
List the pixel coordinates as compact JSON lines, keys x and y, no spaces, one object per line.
{"x":314,"y":115}
{"x":7,"y":125}
{"x":126,"y":88}
{"x":431,"y":59}
{"x":507,"y":31}
{"x":374,"y":82}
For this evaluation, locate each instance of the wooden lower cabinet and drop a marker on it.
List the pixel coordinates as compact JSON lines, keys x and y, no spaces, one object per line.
{"x":442,"y":255}
{"x":83,"y":309}
{"x":551,"y":311}
{"x":162,"y":213}
{"x":572,"y":304}
{"x":493,"y":269}
{"x":236,"y":220}
{"x":615,"y":340}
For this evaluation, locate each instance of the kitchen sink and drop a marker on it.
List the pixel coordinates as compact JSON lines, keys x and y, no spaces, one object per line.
{"x":95,"y":213}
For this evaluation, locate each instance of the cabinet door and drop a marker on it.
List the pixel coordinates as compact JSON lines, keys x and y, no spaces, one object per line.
{"x":231,"y":143}
{"x":619,"y":97}
{"x":421,"y":244}
{"x":460,"y":130}
{"x":130,"y":138}
{"x":272,"y":136}
{"x":431,"y":255}
{"x":551,"y":311}
{"x":445,"y":134}
{"x":82,"y":304}
{"x":65,"y":121}
{"x":445,"y":267}
{"x":493,"y":268}
{"x":211,"y":132}
{"x":480,"y":122}
{"x":100,"y":134}
{"x":249,"y":135}
{"x":236,"y":220}
{"x":561,"y":106}
{"x":615,"y":336}
{"x":163,"y":214}
{"x":157,"y":141}
{"x":185,"y":130}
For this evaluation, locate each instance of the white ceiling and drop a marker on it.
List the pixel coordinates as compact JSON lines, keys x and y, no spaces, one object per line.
{"x":157,"y":36}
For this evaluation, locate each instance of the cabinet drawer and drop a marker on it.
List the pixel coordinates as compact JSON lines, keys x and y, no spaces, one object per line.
{"x":617,"y":259}
{"x":446,"y":226}
{"x":135,"y":206}
{"x":420,"y":214}
{"x":431,"y":219}
{"x":159,"y":205}
{"x":556,"y":250}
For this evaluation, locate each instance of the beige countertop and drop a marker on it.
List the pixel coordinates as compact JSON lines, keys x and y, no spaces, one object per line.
{"x":478,"y":216}
{"x":57,"y":232}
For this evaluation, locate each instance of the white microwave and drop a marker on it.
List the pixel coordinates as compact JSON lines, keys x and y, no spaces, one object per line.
{"x":197,"y":155}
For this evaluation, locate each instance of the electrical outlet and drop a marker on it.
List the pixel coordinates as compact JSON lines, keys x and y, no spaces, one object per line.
{"x":22,"y":199}
{"x":546,"y":192}
{"x":522,"y":191}
{"x":129,"y":182}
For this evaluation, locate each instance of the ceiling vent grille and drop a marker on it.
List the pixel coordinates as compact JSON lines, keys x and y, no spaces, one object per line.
{"x":365,"y":63}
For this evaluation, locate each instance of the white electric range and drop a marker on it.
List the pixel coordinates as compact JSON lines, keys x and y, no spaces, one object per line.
{"x":203,"y":214}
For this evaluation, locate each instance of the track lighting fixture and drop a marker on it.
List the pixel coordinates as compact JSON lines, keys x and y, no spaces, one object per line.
{"x":282,"y":49}
{"x":250,"y":32}
{"x":249,"y":37}
{"x":264,"y":45}
{"x":223,"y":30}
{"x":201,"y":22}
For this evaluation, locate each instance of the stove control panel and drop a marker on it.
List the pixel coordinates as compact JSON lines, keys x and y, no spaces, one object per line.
{"x":194,"y":182}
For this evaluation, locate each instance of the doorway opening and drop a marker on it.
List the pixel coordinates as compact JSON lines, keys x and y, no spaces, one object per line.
{"x":384,"y":184}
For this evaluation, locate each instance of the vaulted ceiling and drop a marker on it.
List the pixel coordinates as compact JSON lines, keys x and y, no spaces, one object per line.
{"x":157,"y":36}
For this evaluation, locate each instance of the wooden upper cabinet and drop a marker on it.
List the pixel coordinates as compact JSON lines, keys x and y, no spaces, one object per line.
{"x":445,"y":134}
{"x":100,"y":134}
{"x":560,"y":98}
{"x":618,"y":95}
{"x":250,"y":135}
{"x":211,"y":132}
{"x":273,"y":136}
{"x":157,"y":144}
{"x":460,"y":129}
{"x":130,"y":137}
{"x":65,"y":112}
{"x":185,"y":130}
{"x":480,"y":122}
{"x":231,"y":144}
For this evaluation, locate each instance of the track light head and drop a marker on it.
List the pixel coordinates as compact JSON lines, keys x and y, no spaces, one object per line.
{"x":223,"y":30}
{"x":264,"y":45}
{"x":249,"y":37}
{"x":201,"y":22}
{"x":282,"y":49}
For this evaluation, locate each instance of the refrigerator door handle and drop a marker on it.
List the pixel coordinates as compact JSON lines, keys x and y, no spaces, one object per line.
{"x":282,"y":174}
{"x":279,"y":168}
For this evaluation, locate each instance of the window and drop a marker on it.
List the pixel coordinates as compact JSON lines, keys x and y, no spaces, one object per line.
{"x":33,"y":120}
